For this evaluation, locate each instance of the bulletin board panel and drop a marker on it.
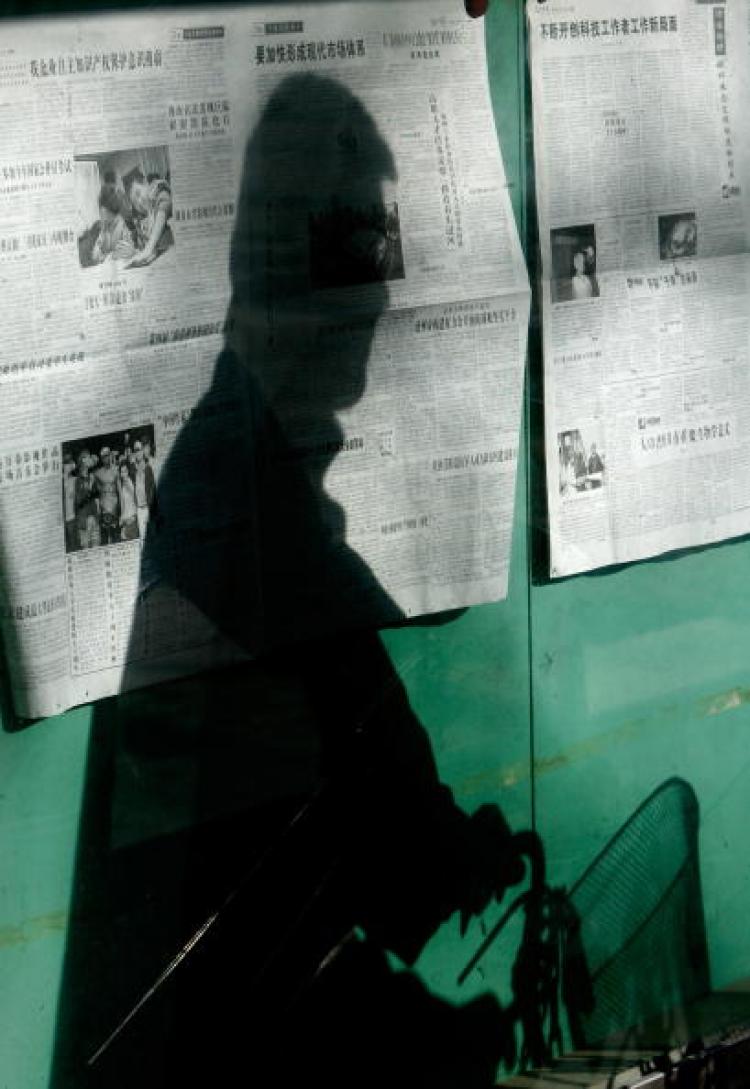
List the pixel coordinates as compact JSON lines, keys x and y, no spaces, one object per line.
{"x":104,"y":810}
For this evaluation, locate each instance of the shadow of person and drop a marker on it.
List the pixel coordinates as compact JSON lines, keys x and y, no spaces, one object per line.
{"x":373,"y":854}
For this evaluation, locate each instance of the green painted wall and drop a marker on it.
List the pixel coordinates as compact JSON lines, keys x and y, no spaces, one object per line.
{"x":41,"y":778}
{"x":641,"y":674}
{"x":636,"y":675}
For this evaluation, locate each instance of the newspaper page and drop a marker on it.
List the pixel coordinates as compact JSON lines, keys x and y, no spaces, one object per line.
{"x":642,"y":187}
{"x":265,"y":318}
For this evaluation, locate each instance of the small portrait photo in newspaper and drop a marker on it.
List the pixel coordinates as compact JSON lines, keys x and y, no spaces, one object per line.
{"x":573,"y":252}
{"x":123,"y":207}
{"x":581,"y":463}
{"x":109,"y":488}
{"x":355,"y":243}
{"x":678,"y":236}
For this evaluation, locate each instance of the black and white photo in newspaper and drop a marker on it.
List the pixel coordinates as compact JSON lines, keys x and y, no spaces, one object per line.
{"x":642,"y":195}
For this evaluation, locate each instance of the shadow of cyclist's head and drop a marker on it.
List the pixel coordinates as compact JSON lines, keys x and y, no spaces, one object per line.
{"x":249,"y":531}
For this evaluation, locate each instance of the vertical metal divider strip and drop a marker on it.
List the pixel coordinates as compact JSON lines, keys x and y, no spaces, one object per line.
{"x":526,"y":177}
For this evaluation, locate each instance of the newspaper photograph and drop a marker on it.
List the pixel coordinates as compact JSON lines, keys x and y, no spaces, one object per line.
{"x":643,"y":201}
{"x":266,"y":317}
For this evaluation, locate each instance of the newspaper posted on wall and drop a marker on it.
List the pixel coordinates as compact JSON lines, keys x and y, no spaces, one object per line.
{"x":265,"y":318}
{"x":642,"y":186}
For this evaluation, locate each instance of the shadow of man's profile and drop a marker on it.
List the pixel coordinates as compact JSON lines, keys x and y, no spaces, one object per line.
{"x":383,"y":854}
{"x":278,"y":568}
